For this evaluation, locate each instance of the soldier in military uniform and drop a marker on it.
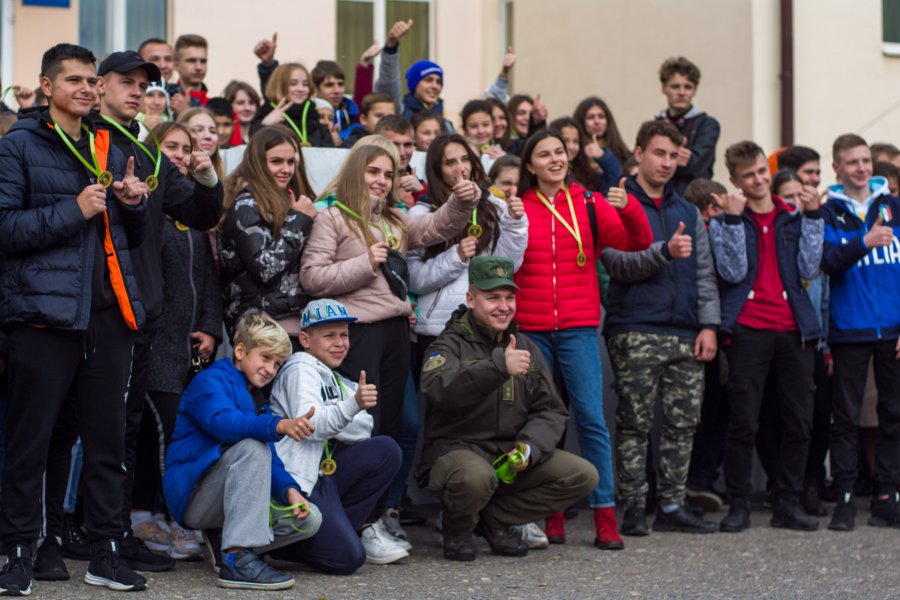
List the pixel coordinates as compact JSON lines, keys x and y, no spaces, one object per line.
{"x":662,"y":318}
{"x":492,"y":422}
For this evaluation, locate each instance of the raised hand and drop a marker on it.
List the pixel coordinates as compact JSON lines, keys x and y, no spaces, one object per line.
{"x":732,"y":203}
{"x":398,"y":30}
{"x":378,"y":253}
{"x":594,"y":149}
{"x":684,"y":156}
{"x":371,"y":52}
{"x":467,"y":191}
{"x":517,"y":361}
{"x":277,"y":115}
{"x":411,"y":183}
{"x":297,"y":429}
{"x":265,"y":50}
{"x":509,"y":61}
{"x":131,"y":189}
{"x":92,"y":200}
{"x":538,"y":110}
{"x":366,"y":393}
{"x":810,"y":199}
{"x":198,"y":161}
{"x":880,"y":235}
{"x":680,"y":245}
{"x":178,"y":102}
{"x":495,"y":151}
{"x":25,"y":96}
{"x":516,"y":207}
{"x":466,"y":248}
{"x":302,"y":204}
{"x":617,"y":196}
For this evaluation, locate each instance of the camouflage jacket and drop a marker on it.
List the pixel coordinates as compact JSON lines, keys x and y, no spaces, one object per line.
{"x":471,"y":402}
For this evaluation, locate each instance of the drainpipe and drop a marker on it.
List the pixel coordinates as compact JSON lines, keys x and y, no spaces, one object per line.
{"x":787,"y":72}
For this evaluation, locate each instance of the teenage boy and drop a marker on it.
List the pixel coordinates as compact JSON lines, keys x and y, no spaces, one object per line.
{"x":374,"y":107}
{"x":158,"y":52}
{"x":492,"y":422}
{"x":862,"y":255}
{"x":328,"y":81}
{"x":680,"y":79}
{"x":663,"y":313}
{"x":190,"y":62}
{"x":222,"y":470}
{"x":223,"y":115}
{"x":400,"y":131}
{"x":804,"y":161}
{"x":70,"y":300}
{"x":361,"y":467}
{"x":763,"y":251}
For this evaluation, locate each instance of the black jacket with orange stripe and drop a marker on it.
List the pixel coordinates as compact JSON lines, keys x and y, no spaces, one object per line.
{"x":48,"y":246}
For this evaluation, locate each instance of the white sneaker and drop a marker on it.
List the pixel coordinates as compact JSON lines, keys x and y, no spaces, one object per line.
{"x":390,"y":525}
{"x":532,"y":535}
{"x":183,"y":545}
{"x":153,"y":534}
{"x":380,"y":547}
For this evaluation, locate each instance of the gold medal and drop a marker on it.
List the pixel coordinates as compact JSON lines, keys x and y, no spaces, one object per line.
{"x":181,"y":226}
{"x":152,"y":182}
{"x":581,"y":259}
{"x":475,"y":230}
{"x":485,"y":148}
{"x":305,"y":144}
{"x":105,"y":179}
{"x":393,"y":241}
{"x":328,"y":467}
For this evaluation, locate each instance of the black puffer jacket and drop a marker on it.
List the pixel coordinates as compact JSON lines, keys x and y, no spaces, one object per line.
{"x":257,"y":270}
{"x":49,"y":248}
{"x":317,"y":134}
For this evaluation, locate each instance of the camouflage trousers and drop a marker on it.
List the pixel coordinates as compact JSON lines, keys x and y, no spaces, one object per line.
{"x":647,"y":366}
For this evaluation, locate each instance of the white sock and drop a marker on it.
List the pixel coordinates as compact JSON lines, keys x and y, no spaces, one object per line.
{"x":139,"y":516}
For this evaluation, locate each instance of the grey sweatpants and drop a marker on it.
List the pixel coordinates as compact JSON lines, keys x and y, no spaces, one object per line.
{"x":235,"y":495}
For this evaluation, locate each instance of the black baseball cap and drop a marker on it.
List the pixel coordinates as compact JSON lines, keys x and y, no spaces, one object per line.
{"x":127,"y":61}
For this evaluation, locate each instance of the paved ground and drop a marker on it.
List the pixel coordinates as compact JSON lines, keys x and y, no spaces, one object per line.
{"x":760,"y":563}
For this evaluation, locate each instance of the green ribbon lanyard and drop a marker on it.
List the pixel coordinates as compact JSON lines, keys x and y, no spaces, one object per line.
{"x":504,"y":470}
{"x":6,"y":90}
{"x":278,"y":512}
{"x":151,"y":183}
{"x":104,"y":178}
{"x":392,"y":240}
{"x":576,"y":232}
{"x":302,"y":135}
{"x":475,"y":230}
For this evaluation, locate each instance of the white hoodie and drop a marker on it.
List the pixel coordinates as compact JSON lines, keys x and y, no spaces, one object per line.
{"x":303,"y":382}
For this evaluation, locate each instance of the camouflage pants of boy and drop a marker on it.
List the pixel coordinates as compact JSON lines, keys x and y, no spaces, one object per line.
{"x":648,"y":366}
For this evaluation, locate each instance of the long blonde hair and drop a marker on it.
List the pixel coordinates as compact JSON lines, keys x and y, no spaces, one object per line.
{"x":371,"y":140}
{"x":280,"y":82}
{"x":352,"y":191}
{"x":253,"y":174}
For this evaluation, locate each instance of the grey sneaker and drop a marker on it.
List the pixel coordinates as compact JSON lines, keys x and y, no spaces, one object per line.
{"x":390,"y":526}
{"x":244,"y":570}
{"x":532,"y":535}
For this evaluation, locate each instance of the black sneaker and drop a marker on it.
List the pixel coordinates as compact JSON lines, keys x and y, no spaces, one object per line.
{"x":15,"y":578}
{"x":683,"y":521}
{"x":634,"y":521}
{"x":48,"y":562}
{"x":738,"y":517}
{"x":244,"y":570}
{"x":74,"y":545}
{"x":139,"y":557}
{"x":503,"y":541}
{"x":106,"y":569}
{"x":787,"y":514}
{"x":885,"y":511}
{"x":212,"y":539}
{"x":812,"y":502}
{"x":844,"y":516}
{"x":459,"y":547}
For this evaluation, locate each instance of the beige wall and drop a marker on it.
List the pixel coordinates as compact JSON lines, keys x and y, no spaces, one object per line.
{"x":843,"y":82}
{"x":306,"y":33}
{"x":36,"y":29}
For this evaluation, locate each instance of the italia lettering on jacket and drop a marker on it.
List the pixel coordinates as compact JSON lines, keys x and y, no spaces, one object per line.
{"x":887,"y":255}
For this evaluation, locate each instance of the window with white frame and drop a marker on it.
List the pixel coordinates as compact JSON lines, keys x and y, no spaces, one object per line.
{"x":359,"y":22}
{"x":890,"y":27}
{"x":106,"y":26}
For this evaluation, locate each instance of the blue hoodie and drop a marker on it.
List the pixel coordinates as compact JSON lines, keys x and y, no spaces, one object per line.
{"x":865,"y":284}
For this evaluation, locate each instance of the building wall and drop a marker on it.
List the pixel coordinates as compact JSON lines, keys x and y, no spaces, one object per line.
{"x":37,"y":28}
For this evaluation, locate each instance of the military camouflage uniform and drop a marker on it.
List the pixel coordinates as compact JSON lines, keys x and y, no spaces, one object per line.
{"x":647,"y":366}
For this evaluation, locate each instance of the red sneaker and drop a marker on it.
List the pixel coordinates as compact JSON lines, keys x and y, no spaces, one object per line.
{"x":608,"y":537}
{"x":555,"y":528}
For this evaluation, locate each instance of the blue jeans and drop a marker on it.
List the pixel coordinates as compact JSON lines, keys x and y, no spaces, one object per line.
{"x":576,"y":352}
{"x":409,"y":436}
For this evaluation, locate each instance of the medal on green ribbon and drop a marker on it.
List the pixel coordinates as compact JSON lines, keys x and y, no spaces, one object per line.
{"x":104,"y":178}
{"x":327,"y":466}
{"x":152,"y":181}
{"x":390,"y":239}
{"x":300,"y":131}
{"x":475,"y":230}
{"x":485,"y":148}
{"x":581,"y":259}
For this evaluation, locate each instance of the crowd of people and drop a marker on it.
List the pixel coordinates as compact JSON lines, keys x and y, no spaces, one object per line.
{"x":147,"y":227}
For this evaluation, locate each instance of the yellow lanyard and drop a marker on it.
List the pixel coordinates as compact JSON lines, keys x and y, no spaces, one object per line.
{"x":576,"y":232}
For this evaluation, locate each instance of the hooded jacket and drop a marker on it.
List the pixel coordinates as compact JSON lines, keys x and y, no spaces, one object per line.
{"x":701,"y":133}
{"x":49,"y":248}
{"x":472,"y":403}
{"x":305,"y":382}
{"x":865,"y":283}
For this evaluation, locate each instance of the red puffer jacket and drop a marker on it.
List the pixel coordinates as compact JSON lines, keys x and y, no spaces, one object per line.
{"x":554,"y":292}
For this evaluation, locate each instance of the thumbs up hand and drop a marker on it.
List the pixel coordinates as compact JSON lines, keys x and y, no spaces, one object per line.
{"x":617,"y":196}
{"x":880,"y":235}
{"x":517,"y":361}
{"x":297,"y":429}
{"x":366,"y":393}
{"x":680,"y":244}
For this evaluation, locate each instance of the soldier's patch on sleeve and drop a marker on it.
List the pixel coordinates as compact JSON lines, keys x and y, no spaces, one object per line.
{"x":434,"y":361}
